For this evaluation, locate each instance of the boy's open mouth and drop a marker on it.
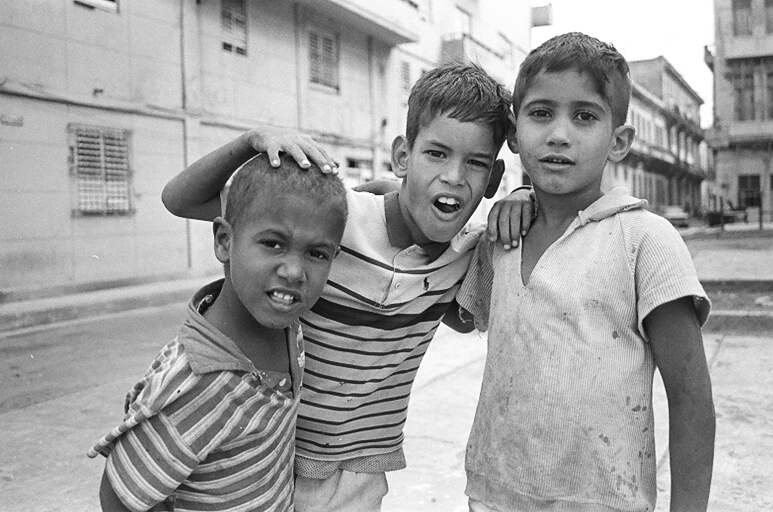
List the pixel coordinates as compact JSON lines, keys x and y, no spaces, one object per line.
{"x":447,"y":204}
{"x":556,"y":159}
{"x":284,"y":297}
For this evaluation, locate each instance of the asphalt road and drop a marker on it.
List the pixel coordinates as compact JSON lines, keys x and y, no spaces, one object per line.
{"x":62,"y":388}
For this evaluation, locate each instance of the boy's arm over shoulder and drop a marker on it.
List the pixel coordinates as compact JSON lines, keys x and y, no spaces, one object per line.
{"x":195,"y":192}
{"x":473,"y":300}
{"x":675,"y":337}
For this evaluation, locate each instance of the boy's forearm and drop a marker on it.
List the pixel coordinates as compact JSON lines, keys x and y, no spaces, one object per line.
{"x":692,"y":427}
{"x":195,"y":192}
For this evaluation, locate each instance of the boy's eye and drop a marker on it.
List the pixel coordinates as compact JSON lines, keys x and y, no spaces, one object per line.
{"x":479,"y":163}
{"x":271,"y":244}
{"x":586,"y":116}
{"x":539,"y":112}
{"x":319,"y":255}
{"x":435,"y":153}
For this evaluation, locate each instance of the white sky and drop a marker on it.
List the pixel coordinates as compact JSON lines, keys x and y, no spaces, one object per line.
{"x":644,"y":29}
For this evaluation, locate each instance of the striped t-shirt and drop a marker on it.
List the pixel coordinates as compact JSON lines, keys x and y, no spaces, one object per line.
{"x":366,"y":336}
{"x":203,"y":429}
{"x":564,"y":420}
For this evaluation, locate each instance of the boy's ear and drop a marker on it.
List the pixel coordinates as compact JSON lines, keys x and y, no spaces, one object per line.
{"x":512,"y":140}
{"x":496,"y":176}
{"x":223,"y":233}
{"x":400,"y":154}
{"x":622,"y":138}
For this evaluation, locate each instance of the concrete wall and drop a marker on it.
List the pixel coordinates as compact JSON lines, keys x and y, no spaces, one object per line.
{"x":157,"y":68}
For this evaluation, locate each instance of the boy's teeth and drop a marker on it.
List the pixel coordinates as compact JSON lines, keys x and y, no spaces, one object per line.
{"x":448,"y":200}
{"x":283,"y":296}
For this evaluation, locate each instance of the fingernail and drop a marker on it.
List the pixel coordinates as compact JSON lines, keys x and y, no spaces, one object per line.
{"x":507,"y":247}
{"x":326,"y":168}
{"x":275,"y":162}
{"x":523,"y":233}
{"x":305,"y":163}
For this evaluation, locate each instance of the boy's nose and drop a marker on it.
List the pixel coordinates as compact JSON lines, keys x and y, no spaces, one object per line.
{"x":453,"y":173}
{"x":559,"y":135}
{"x":292,"y":268}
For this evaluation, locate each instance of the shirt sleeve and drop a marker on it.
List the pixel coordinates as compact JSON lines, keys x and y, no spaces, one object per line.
{"x":475,"y":292}
{"x":664,"y":272}
{"x":149,"y":462}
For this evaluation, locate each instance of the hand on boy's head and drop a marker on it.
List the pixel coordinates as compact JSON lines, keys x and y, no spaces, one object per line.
{"x":301,"y":147}
{"x":510,"y":218}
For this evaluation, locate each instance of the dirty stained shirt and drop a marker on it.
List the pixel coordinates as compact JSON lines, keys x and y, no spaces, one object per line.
{"x":564,"y":420}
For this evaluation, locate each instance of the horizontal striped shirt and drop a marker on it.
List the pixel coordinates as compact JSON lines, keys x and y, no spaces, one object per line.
{"x":564,"y":420}
{"x":366,"y":336}
{"x":203,"y":430}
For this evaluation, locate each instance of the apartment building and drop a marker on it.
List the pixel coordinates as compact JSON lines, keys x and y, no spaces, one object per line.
{"x":742,"y":136}
{"x":103,"y":101}
{"x":668,"y":161}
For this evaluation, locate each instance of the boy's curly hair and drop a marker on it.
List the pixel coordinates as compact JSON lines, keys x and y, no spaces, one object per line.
{"x":606,"y":67}
{"x":462,"y":91}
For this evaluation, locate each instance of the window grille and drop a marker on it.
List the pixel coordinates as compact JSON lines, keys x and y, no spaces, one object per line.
{"x":748,"y":190}
{"x":323,"y":59}
{"x":233,"y":22}
{"x":99,"y":162}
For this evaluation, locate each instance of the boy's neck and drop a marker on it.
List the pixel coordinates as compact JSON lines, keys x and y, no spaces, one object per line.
{"x":264,"y":346}
{"x":561,"y":209}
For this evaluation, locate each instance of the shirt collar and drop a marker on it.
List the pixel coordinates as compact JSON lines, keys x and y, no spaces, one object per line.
{"x":398,"y":231}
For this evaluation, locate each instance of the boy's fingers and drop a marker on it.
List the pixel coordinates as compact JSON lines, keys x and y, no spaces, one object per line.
{"x":321,"y":159}
{"x":492,"y":230}
{"x":507,"y":219}
{"x":298,"y":154}
{"x":514,"y":225}
{"x":526,"y":217}
{"x":272,"y":151}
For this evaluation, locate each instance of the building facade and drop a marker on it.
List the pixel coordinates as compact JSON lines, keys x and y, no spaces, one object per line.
{"x":103,"y":101}
{"x":742,"y":135}
{"x":668,"y":161}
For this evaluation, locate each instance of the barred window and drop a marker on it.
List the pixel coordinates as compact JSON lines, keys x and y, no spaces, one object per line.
{"x":233,"y":22}
{"x":99,"y":162}
{"x":323,"y":59}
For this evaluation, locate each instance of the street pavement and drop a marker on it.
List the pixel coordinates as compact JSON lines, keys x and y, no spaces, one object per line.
{"x":79,"y":389}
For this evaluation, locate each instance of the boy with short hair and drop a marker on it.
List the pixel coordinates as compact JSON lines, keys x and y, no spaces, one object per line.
{"x":402,"y":260}
{"x":212,"y":423}
{"x":599,"y":294}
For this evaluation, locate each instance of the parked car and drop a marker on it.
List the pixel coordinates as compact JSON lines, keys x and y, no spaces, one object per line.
{"x":676,"y":216}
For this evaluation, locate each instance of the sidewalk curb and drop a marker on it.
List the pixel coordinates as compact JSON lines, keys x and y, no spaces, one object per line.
{"x":20,"y":315}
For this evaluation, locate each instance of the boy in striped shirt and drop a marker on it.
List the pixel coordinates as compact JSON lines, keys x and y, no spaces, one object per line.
{"x":402,"y":259}
{"x":600,"y":293}
{"x":211,"y":425}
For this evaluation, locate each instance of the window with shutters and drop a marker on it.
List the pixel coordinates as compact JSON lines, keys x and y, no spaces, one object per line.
{"x":742,"y":17}
{"x":99,"y":164}
{"x":323,"y":59}
{"x":233,"y":23}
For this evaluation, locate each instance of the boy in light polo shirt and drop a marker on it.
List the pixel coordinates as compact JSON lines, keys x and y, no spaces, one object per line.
{"x":402,"y":259}
{"x":211,"y":425}
{"x":600,"y":293}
